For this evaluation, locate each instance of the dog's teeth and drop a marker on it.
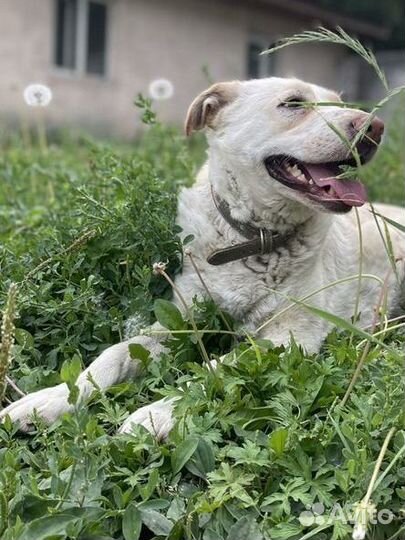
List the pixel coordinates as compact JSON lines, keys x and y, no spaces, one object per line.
{"x":295,"y":171}
{"x":311,"y":182}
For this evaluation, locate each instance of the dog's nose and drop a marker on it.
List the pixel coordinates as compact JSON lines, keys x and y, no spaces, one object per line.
{"x":374,"y":131}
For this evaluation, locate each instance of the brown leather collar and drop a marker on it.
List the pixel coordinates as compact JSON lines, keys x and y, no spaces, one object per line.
{"x":260,"y":241}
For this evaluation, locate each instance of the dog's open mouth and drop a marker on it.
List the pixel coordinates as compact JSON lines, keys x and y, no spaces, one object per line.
{"x":319,"y":182}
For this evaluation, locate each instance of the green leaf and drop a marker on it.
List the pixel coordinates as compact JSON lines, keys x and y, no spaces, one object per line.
{"x":168,"y":315}
{"x":71,"y":370}
{"x":395,"y":224}
{"x":138,"y":352}
{"x":154,"y":504}
{"x":344,"y":324}
{"x":24,"y":338}
{"x":183,"y":453}
{"x":189,"y":238}
{"x":245,"y":528}
{"x":157,"y":523}
{"x":284,"y":531}
{"x":203,"y":460}
{"x":46,"y":527}
{"x":131,"y":523}
{"x":210,"y":534}
{"x":341,"y":530}
{"x":69,"y":373}
{"x":147,"y":490}
{"x":278,"y":440}
{"x":96,"y":537}
{"x":178,"y":532}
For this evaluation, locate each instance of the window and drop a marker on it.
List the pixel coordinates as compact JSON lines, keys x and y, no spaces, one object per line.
{"x":81,"y":35}
{"x":259,"y":66}
{"x":66,"y":23}
{"x":96,"y":38}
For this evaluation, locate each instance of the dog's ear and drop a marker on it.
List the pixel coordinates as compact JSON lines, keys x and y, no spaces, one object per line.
{"x":206,"y":106}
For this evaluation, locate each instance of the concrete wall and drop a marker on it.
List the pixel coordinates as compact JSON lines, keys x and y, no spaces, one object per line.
{"x":393,"y":65}
{"x":147,"y":39}
{"x":365,"y":86}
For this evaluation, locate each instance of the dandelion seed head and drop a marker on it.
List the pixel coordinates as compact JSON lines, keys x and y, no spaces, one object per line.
{"x":158,"y":267}
{"x":161,"y":89}
{"x":37,"y":95}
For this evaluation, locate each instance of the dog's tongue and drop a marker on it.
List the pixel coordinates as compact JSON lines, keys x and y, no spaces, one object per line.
{"x":351,"y":192}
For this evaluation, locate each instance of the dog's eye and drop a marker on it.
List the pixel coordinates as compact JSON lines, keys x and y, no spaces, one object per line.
{"x":293,"y":102}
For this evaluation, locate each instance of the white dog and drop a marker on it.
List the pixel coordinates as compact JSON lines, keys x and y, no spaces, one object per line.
{"x":271,"y":222}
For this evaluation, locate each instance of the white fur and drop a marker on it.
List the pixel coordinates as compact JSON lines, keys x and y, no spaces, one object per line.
{"x":325,"y":247}
{"x":156,"y":418}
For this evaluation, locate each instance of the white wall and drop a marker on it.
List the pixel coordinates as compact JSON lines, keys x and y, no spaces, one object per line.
{"x":148,"y":39}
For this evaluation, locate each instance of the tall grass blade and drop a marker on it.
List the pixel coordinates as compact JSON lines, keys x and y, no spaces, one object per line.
{"x":340,"y":37}
{"x":344,"y":324}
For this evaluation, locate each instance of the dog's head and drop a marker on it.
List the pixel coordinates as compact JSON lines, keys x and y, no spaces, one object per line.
{"x":289,"y":136}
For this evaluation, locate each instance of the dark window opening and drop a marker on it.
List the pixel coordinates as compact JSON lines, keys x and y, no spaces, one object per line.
{"x":254,"y":60}
{"x":96,"y":38}
{"x":66,"y":24}
{"x":81,"y":35}
{"x":259,"y":65}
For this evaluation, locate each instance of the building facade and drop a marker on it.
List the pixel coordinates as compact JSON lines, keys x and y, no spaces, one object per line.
{"x":97,"y":55}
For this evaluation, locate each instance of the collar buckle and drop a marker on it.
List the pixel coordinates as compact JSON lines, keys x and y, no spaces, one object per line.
{"x":261,"y":241}
{"x":266,"y":242}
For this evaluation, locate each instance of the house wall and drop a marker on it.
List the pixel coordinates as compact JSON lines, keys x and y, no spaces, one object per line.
{"x":393,"y":65}
{"x":147,"y":39}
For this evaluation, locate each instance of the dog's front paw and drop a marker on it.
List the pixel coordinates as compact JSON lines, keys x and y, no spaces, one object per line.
{"x":48,"y":404}
{"x":156,"y":418}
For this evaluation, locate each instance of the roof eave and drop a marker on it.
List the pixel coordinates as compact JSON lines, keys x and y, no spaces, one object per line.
{"x":324,"y":16}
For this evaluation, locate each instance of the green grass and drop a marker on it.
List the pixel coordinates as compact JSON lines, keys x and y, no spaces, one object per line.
{"x":256,"y":443}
